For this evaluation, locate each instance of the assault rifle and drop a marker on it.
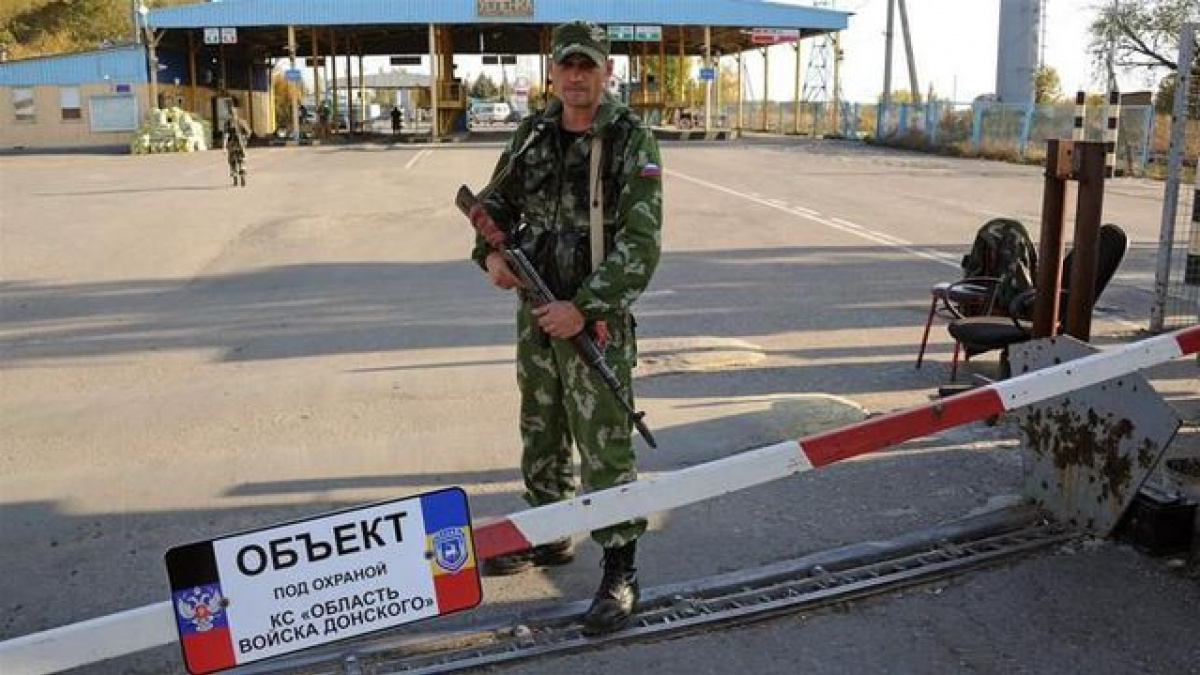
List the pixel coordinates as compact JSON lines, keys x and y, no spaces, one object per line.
{"x":540,"y":294}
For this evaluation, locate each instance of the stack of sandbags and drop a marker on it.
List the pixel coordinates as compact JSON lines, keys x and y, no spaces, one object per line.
{"x":170,"y":130}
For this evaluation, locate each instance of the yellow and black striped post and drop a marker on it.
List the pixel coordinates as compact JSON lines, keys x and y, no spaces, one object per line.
{"x":1110,"y":133}
{"x":1077,"y":133}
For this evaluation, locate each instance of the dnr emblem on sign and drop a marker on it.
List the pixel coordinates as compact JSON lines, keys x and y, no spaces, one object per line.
{"x":450,"y":549}
{"x":504,"y":7}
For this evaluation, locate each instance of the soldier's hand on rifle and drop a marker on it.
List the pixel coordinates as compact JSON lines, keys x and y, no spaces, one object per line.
{"x":499,"y":272}
{"x":559,"y":319}
{"x":482,"y":221}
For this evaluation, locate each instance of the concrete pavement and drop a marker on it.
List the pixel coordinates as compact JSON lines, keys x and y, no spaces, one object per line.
{"x":185,"y":360}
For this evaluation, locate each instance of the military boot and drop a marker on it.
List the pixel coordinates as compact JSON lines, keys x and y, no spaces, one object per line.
{"x":616,"y":599}
{"x":557,"y":552}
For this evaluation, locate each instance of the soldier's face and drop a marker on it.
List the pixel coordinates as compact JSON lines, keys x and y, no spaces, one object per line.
{"x":579,"y":81}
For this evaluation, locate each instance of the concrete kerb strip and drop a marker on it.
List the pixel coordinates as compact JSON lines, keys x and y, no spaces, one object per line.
{"x":154,"y":625}
{"x":672,"y":134}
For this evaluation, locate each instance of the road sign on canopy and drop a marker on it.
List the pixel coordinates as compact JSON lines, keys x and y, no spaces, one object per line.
{"x":620,"y":33}
{"x":772,"y":36}
{"x":247,"y":597}
{"x":647,"y":33}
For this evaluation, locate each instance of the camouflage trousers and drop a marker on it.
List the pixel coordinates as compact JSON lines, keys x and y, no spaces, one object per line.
{"x":564,"y":403}
{"x":236,"y":156}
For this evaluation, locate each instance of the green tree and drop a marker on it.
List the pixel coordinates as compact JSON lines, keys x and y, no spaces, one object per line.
{"x":31,"y":28}
{"x":484,"y":88}
{"x":1143,"y":33}
{"x":1164,"y":98}
{"x":899,"y":96}
{"x":728,"y":82}
{"x":672,"y":74}
{"x":285,"y":92}
{"x":1047,"y":87}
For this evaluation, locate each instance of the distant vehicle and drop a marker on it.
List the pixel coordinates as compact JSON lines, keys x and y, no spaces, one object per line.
{"x":491,"y":113}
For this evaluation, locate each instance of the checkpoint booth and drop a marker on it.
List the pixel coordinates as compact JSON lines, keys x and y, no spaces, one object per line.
{"x":320,"y":47}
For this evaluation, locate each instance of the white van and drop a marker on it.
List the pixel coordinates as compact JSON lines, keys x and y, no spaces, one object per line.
{"x":491,"y":113}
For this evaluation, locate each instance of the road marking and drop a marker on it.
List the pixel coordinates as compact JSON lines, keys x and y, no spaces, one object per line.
{"x":832,"y":223}
{"x":416,"y":158}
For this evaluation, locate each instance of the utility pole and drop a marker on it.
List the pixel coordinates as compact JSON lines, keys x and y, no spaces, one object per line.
{"x":1112,"y":50}
{"x":137,"y":24}
{"x":291,"y":34}
{"x":1042,"y":40}
{"x":886,"y":102}
{"x":152,"y":38}
{"x":913,"y":85}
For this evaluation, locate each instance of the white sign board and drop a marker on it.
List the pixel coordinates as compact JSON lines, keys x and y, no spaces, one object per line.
{"x":112,"y":113}
{"x":229,"y":36}
{"x":252,"y":596}
{"x":212,"y":36}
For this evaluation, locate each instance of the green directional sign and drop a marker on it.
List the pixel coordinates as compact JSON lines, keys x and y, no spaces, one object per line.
{"x":620,"y":33}
{"x":648,"y":33}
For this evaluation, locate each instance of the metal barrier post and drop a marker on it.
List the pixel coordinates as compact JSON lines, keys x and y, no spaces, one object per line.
{"x":1089,"y":209}
{"x":1050,"y":249}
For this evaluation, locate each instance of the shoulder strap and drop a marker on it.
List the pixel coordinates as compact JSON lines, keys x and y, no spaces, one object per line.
{"x":597,"y":204}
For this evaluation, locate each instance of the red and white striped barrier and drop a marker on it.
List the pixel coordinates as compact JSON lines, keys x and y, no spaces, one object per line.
{"x":154,"y":625}
{"x":747,"y":469}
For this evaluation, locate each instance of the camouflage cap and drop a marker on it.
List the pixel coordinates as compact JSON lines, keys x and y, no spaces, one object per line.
{"x":580,"y":37}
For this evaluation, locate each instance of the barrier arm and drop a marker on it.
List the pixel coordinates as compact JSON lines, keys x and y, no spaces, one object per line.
{"x":154,"y":625}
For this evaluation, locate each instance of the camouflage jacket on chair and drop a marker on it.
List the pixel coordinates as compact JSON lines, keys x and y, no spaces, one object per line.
{"x":1003,"y":249}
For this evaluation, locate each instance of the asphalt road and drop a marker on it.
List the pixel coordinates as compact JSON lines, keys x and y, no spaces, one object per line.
{"x":183,"y":360}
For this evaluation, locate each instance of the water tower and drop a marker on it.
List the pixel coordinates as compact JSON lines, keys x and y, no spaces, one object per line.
{"x":1017,"y":54}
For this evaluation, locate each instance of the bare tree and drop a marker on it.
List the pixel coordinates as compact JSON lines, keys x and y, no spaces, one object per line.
{"x":1139,"y":33}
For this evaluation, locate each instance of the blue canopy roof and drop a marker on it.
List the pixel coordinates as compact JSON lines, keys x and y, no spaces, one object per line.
{"x":117,"y":65}
{"x":731,"y":13}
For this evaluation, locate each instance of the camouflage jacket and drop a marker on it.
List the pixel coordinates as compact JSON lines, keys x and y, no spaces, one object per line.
{"x":544,"y":200}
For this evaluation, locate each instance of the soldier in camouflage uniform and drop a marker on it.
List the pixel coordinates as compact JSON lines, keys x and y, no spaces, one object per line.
{"x":542,"y":194}
{"x":235,"y":146}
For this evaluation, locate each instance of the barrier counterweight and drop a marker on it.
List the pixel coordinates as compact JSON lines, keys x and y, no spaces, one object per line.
{"x":153,"y":625}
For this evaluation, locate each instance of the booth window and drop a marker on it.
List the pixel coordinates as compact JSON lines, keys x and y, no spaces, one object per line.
{"x":22,"y":98}
{"x":68,"y":101}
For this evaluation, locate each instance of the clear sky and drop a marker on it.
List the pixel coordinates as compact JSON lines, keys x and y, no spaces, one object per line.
{"x":954,"y":44}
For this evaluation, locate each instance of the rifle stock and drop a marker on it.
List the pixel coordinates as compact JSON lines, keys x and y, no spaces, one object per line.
{"x":540,"y":294}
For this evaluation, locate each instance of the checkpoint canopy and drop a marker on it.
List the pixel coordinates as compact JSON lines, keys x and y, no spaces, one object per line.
{"x":313,"y":31}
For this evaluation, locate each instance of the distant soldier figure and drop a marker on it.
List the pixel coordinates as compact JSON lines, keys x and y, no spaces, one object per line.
{"x":323,"y":121}
{"x":235,"y":146}
{"x":396,"y":117}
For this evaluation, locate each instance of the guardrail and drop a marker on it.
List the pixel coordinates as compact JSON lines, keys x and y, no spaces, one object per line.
{"x":154,"y":625}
